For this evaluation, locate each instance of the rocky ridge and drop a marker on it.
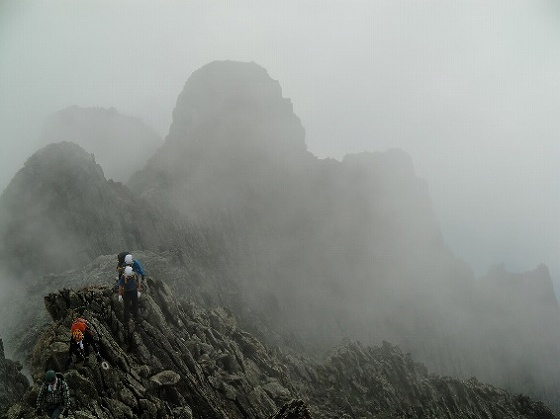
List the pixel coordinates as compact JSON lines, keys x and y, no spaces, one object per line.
{"x":185,"y":361}
{"x":60,"y":208}
{"x":339,"y":248}
{"x":13,"y":383}
{"x":334,"y":248}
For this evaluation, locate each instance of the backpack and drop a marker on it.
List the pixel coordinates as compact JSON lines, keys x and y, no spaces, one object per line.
{"x":120,"y":259}
{"x":134,"y":277}
{"x":120,"y":262}
{"x":82,"y":324}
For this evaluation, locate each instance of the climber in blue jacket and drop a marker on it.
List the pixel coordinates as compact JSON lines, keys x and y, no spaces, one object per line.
{"x":136,"y":267}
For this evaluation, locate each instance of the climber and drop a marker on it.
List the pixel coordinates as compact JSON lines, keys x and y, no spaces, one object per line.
{"x":130,"y":290}
{"x":136,"y":267}
{"x":121,"y":264}
{"x":81,"y":339}
{"x":54,"y":394}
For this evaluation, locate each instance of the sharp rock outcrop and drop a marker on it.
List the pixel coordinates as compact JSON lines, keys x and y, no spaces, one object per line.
{"x":180,"y":360}
{"x":13,"y":383}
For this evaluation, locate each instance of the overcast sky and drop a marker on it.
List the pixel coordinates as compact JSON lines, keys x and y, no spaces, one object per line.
{"x":470,"y":89}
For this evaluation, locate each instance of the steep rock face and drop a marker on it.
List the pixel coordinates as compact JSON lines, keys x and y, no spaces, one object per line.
{"x":233,"y":135}
{"x":338,"y":249}
{"x":196,"y":272}
{"x":60,"y":209}
{"x":51,"y":198}
{"x":180,"y":360}
{"x":13,"y":383}
{"x":184,"y":361}
{"x":121,"y":144}
{"x":294,"y":409}
{"x":299,"y":227}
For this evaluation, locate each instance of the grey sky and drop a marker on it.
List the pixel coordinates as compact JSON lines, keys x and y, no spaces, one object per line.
{"x":470,"y":89}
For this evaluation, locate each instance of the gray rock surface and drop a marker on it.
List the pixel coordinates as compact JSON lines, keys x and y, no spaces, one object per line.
{"x":13,"y":383}
{"x":60,"y":209}
{"x":234,"y":212}
{"x":181,"y":360}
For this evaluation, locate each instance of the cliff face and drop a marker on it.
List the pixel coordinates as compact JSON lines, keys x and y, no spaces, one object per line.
{"x":233,"y":138}
{"x":305,"y":233}
{"x":60,"y":212}
{"x":348,"y":248}
{"x":185,"y":361}
{"x":13,"y":383}
{"x":58,"y":197}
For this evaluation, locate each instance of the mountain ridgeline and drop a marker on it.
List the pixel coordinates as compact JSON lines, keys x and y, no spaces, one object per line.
{"x":121,"y":144}
{"x":59,"y":212}
{"x":304,"y":251}
{"x":184,"y":360}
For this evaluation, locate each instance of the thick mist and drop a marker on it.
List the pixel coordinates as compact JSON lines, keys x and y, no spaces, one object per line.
{"x":324,"y":249}
{"x":470,"y":91}
{"x":442,"y":119}
{"x":10,"y":290}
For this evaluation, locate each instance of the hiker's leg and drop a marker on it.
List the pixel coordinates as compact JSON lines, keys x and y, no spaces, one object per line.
{"x":134,"y":303}
{"x":126,"y":301}
{"x":74,"y":349}
{"x":54,"y":411}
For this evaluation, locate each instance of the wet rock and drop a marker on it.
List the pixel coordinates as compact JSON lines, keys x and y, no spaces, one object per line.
{"x":183,"y":412}
{"x":295,"y":409}
{"x":13,"y":383}
{"x":178,"y":362}
{"x":165,"y":378}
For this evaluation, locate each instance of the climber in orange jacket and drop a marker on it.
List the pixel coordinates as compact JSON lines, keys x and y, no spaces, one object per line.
{"x":81,"y":340}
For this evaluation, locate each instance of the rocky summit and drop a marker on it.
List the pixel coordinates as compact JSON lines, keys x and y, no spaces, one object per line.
{"x":182,"y":360}
{"x":234,"y":140}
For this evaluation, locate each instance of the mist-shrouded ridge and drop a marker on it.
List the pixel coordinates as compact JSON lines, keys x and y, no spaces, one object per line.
{"x":336,"y":248}
{"x":189,"y":359}
{"x":60,"y":212}
{"x":321,"y":249}
{"x":121,"y":144}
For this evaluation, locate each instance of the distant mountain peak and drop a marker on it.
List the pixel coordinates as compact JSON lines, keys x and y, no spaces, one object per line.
{"x":235,"y":107}
{"x":57,"y":162}
{"x":231,"y":129}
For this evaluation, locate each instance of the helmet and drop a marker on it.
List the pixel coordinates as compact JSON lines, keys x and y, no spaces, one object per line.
{"x":128,"y":260}
{"x":128,"y":271}
{"x":50,"y":376}
{"x":77,"y":334}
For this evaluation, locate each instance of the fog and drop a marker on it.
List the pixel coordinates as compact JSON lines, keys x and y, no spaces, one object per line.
{"x":471,"y":90}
